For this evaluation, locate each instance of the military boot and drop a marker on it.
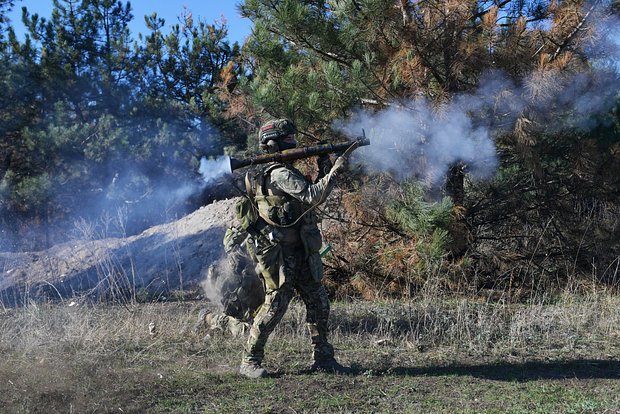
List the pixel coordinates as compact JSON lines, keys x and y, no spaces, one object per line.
{"x":330,"y":366}
{"x":252,"y":370}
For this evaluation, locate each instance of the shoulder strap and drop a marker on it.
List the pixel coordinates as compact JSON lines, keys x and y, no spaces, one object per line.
{"x":249,"y":187}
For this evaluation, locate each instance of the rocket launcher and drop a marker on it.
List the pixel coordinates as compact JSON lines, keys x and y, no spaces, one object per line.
{"x":299,"y":153}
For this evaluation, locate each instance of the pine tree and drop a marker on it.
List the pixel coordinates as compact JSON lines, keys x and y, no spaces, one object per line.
{"x":180,"y":75}
{"x":317,"y":61}
{"x":90,"y":117}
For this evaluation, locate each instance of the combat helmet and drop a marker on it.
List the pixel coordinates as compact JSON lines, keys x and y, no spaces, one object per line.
{"x":277,"y":135}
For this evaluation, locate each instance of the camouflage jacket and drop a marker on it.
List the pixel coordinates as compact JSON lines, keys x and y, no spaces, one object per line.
{"x":288,"y":180}
{"x":286,"y":200}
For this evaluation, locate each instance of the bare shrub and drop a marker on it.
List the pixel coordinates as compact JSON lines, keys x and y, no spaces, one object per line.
{"x":388,"y":240}
{"x":116,"y":281}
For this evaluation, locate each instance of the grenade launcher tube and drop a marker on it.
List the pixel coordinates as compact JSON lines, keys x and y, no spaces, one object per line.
{"x":297,"y":153}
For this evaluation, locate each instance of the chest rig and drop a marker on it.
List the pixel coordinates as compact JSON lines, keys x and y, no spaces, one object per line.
{"x":274,"y":206}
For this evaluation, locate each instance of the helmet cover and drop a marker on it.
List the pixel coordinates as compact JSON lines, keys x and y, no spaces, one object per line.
{"x":275,"y":130}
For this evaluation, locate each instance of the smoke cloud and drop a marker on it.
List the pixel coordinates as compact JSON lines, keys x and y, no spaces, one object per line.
{"x":124,"y":197}
{"x":419,"y":140}
{"x":212,"y":282}
{"x":214,"y":169}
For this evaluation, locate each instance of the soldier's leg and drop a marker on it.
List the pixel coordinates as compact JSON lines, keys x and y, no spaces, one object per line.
{"x":317,"y":304}
{"x":265,"y":321}
{"x":317,"y":314}
{"x":210,"y":321}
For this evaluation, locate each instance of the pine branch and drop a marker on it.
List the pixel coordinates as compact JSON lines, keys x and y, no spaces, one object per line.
{"x":572,"y":34}
{"x":483,"y":12}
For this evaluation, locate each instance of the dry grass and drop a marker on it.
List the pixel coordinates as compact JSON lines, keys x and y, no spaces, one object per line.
{"x":99,"y":358}
{"x":485,"y":328}
{"x":568,"y":321}
{"x":87,"y":329}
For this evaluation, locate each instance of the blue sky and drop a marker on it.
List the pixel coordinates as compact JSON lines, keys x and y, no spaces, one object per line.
{"x":207,"y":10}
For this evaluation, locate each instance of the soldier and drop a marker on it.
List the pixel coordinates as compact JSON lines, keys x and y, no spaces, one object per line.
{"x":287,"y":244}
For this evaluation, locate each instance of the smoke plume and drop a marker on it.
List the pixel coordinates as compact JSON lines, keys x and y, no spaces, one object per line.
{"x":214,"y":169}
{"x":419,"y":140}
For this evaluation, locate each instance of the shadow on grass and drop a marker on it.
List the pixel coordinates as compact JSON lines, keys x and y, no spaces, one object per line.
{"x":529,"y":371}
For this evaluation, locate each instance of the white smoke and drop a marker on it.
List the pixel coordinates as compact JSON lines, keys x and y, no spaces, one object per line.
{"x":214,"y":169}
{"x":422,"y":141}
{"x":418,"y":141}
{"x":603,"y":49}
{"x":214,"y":279}
{"x":210,"y":170}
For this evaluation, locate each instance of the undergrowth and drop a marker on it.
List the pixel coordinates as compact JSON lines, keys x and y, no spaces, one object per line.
{"x":566,"y":321}
{"x":433,"y":353}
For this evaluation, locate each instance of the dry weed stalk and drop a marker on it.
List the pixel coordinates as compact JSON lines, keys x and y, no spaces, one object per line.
{"x":474,"y":325}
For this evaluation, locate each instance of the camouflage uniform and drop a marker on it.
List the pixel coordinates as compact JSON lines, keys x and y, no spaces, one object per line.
{"x":288,"y":258}
{"x":279,"y":213}
{"x":220,"y":322}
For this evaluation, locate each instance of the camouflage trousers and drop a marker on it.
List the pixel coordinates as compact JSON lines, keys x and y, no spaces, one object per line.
{"x":298,"y":278}
{"x":212,"y":321}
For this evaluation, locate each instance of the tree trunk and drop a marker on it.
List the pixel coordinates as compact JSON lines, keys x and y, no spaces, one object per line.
{"x":455,"y":184}
{"x":459,"y":231}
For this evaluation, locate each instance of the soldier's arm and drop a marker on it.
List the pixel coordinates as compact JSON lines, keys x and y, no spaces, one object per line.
{"x":297,"y":186}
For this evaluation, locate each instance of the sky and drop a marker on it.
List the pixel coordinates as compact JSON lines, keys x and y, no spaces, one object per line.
{"x":206,"y":10}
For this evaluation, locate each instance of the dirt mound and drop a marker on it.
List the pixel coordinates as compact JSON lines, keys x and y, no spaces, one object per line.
{"x":165,"y":257}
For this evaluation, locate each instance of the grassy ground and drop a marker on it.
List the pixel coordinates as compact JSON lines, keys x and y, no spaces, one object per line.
{"x":448,"y":355}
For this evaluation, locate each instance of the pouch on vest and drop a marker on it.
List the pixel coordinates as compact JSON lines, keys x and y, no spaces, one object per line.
{"x":246,"y":212}
{"x":276,"y":210}
{"x":233,"y":238}
{"x":268,"y":208}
